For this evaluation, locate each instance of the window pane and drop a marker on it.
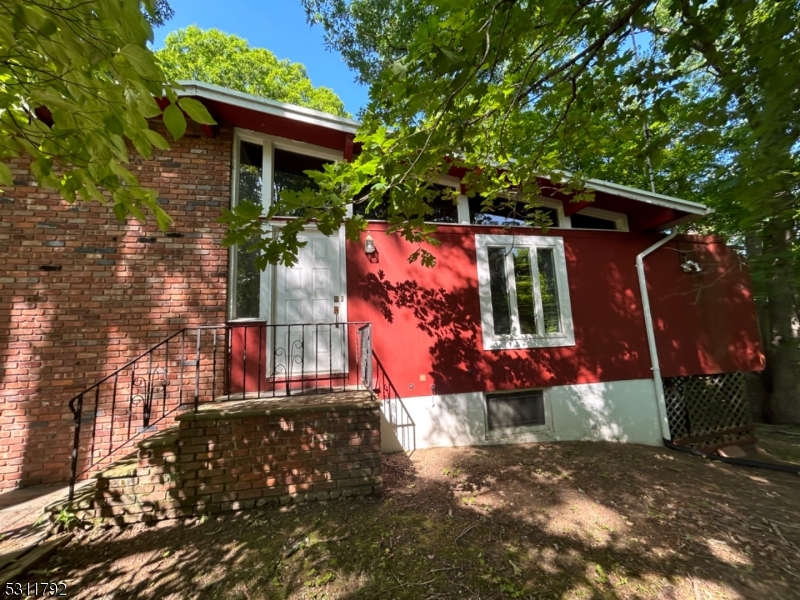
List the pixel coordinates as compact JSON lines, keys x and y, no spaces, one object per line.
{"x":524,"y":280}
{"x":250,"y":176}
{"x":580,"y":221}
{"x":498,"y":283}
{"x":248,"y":286}
{"x":522,"y":409}
{"x":547,"y":285}
{"x":504,"y":212}
{"x":250,"y":180}
{"x":289,"y":174}
{"x":445,"y":210}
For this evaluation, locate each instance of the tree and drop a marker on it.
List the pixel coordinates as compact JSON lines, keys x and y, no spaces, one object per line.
{"x":227,"y":60}
{"x":553,"y":84}
{"x":77,"y":86}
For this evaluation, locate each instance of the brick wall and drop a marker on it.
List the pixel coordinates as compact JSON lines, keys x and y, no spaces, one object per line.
{"x":225,"y":462}
{"x":121,"y":288}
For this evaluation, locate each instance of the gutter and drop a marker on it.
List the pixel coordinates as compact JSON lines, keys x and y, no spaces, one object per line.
{"x":661,"y":404}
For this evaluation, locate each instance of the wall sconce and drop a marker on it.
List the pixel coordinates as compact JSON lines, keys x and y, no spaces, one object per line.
{"x":369,"y":245}
{"x":689,"y":266}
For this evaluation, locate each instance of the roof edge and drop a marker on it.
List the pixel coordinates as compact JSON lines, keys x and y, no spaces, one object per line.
{"x":264,"y":105}
{"x":317,"y":117}
{"x":616,"y":189}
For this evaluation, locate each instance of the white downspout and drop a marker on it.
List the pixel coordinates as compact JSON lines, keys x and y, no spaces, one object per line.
{"x":661,"y":405}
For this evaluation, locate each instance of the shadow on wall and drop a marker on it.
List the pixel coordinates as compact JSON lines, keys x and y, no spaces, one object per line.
{"x":121,"y":289}
{"x":622,"y":411}
{"x":454,"y":354}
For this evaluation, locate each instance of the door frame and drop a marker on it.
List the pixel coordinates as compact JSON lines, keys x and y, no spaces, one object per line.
{"x":268,"y":278}
{"x":269,"y":294}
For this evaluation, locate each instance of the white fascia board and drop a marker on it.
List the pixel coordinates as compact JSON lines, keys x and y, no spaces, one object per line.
{"x":322,"y":119}
{"x":616,"y":189}
{"x":270,"y":107}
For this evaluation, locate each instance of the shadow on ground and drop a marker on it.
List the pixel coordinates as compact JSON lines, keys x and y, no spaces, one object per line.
{"x":567,"y":520}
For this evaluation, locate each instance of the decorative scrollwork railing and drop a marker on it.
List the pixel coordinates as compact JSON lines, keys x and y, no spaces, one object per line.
{"x":240,"y":360}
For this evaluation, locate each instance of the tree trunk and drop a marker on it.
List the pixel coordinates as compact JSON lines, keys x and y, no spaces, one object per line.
{"x":783,"y":350}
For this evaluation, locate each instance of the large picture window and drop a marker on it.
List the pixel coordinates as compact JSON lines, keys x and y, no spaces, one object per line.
{"x":523,"y":292}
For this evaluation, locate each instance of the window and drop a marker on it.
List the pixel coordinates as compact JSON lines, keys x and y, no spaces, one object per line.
{"x":523,"y":291}
{"x":444,"y":209}
{"x":597,"y":218}
{"x":515,"y":412}
{"x":503,"y":212}
{"x":264,"y":167}
{"x":288,"y":172}
{"x":249,"y":182}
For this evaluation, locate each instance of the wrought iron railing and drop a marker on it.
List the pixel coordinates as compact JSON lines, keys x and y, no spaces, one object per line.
{"x":393,"y":409}
{"x":240,"y":360}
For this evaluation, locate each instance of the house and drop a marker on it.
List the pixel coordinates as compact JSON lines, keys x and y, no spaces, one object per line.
{"x":602,"y":328}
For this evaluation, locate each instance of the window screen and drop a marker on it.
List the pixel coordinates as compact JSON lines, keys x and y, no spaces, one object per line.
{"x":517,"y":409}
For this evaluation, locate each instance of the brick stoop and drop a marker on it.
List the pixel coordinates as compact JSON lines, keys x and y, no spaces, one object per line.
{"x":240,"y":455}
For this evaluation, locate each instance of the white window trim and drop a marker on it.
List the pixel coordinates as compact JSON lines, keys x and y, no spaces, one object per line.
{"x":519,"y":431}
{"x":619,"y":219}
{"x":566,"y":337}
{"x":269,"y":144}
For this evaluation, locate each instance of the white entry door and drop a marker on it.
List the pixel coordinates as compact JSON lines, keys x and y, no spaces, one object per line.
{"x":309,"y":296}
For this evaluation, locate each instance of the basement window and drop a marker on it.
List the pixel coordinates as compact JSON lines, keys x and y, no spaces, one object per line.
{"x":515,"y":412}
{"x":522,"y":284}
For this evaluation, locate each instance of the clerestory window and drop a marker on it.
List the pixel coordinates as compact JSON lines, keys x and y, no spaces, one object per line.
{"x":523,"y":290}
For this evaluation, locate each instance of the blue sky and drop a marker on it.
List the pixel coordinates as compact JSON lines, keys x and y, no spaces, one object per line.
{"x":279,"y":26}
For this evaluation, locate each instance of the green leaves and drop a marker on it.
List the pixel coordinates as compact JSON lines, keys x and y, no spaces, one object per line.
{"x":227,"y":60}
{"x":77,"y":87}
{"x":175,"y":121}
{"x":196,"y":110}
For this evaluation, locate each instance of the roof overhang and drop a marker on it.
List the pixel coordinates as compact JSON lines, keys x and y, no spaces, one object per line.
{"x":274,"y":108}
{"x":341,"y":130}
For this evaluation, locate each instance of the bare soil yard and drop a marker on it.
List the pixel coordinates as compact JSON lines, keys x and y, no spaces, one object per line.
{"x":568,"y":520}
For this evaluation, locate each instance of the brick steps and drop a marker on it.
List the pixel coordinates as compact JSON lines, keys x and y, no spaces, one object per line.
{"x":238,"y":456}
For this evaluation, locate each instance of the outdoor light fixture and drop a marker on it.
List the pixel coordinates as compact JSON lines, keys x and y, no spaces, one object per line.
{"x":369,"y":245}
{"x":689,"y":266}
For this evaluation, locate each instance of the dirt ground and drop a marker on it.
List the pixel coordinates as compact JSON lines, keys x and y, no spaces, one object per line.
{"x":567,"y":520}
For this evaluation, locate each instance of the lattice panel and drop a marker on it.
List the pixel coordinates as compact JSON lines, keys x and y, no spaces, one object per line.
{"x":712,"y":407}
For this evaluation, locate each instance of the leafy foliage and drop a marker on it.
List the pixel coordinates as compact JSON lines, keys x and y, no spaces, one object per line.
{"x":705,"y":96}
{"x":77,"y":87}
{"x":215,"y":57}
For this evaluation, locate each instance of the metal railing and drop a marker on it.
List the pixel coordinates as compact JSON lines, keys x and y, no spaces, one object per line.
{"x":237,"y":361}
{"x":303,"y":358}
{"x":393,"y":408}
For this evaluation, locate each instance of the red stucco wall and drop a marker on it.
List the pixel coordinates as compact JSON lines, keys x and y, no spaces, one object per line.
{"x":427,"y":327}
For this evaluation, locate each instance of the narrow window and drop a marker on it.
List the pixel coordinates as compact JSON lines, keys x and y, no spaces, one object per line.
{"x":506,"y":212}
{"x":515,"y":410}
{"x":443,"y":209}
{"x":548,"y":290}
{"x":526,"y":304}
{"x":499,"y":288}
{"x":248,"y":277}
